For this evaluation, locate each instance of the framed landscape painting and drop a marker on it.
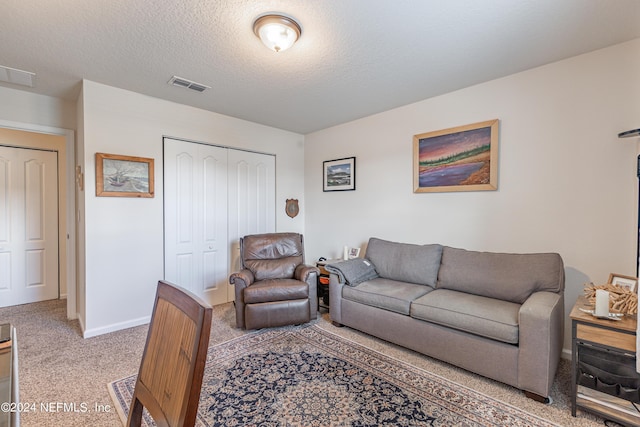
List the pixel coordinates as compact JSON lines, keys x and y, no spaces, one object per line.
{"x":464,"y":158}
{"x":123,"y":176}
{"x":339,"y":174}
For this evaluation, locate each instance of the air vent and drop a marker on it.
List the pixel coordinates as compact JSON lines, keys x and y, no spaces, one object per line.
{"x":189,"y":84}
{"x":16,"y":77}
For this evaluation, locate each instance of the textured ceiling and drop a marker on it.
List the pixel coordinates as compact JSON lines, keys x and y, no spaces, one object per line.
{"x":355,"y":57}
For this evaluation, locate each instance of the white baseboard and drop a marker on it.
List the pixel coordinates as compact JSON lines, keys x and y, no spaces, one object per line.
{"x":566,"y":354}
{"x":88,"y":333}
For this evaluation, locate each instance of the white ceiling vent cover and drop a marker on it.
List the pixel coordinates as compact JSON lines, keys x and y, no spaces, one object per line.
{"x":189,"y":84}
{"x":16,"y":77}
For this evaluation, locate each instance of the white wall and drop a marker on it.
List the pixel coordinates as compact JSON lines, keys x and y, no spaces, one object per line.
{"x":26,"y":107}
{"x":567,"y":183}
{"x":123,"y":247}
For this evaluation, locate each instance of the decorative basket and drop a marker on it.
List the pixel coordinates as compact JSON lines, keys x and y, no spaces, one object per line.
{"x":622,"y":300}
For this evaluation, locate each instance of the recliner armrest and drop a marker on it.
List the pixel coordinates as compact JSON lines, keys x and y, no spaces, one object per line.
{"x":303,"y":271}
{"x":242,"y":278}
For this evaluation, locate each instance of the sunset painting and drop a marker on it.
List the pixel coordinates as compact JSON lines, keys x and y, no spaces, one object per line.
{"x":457,"y":159}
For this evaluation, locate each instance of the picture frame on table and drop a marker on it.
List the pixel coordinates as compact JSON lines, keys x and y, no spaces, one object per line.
{"x":354,"y":253}
{"x":621,"y":280}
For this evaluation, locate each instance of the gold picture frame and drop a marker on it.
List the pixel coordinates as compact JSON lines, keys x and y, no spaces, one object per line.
{"x":123,"y":176}
{"x":463,"y":158}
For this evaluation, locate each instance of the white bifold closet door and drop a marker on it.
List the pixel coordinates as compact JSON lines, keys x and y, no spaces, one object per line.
{"x":211,"y":194}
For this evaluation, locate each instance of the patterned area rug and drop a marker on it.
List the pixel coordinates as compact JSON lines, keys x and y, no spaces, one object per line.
{"x":306,"y":376}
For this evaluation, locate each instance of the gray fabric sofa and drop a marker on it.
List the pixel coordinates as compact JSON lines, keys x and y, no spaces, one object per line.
{"x":496,"y":314}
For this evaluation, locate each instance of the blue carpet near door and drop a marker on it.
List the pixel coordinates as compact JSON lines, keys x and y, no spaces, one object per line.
{"x":306,"y":376}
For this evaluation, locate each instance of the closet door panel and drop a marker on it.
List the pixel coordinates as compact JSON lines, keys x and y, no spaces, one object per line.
{"x":213,"y":227}
{"x":251,"y":199}
{"x":180,"y":186}
{"x":195,"y":208}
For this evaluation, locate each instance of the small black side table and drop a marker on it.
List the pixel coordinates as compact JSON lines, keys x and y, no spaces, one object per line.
{"x":323,"y":283}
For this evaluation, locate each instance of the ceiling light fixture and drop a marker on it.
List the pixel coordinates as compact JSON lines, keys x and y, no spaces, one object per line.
{"x":277,"y":32}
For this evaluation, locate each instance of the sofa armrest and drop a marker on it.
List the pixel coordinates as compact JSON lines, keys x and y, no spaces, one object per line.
{"x":335,"y":298}
{"x":541,"y":326}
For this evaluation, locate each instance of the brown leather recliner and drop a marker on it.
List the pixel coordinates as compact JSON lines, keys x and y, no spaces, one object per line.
{"x":274,"y":287}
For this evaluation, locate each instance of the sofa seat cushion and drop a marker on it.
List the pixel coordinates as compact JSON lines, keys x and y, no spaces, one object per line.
{"x":487,"y":317}
{"x":386,"y":294}
{"x":275,"y":290}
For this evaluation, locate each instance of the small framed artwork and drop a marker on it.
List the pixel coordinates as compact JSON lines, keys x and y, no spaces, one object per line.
{"x":123,"y":176}
{"x":628,"y":282}
{"x":339,"y":174}
{"x":354,"y":253}
{"x":464,"y":158}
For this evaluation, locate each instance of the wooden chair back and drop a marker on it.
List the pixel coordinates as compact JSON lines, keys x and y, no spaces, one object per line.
{"x":172,"y":367}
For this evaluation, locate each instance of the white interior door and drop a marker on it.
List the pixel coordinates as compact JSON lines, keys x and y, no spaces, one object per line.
{"x":252,"y":194}
{"x":28,"y":226}
{"x":195,"y":205}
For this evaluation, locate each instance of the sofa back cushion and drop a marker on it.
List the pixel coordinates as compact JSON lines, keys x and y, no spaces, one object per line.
{"x":405,"y":262}
{"x":509,"y":277}
{"x":272,"y":255}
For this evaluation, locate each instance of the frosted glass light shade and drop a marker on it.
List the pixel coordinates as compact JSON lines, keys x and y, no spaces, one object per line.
{"x":277,"y":32}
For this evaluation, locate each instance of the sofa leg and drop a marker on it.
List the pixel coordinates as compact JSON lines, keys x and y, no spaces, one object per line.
{"x":337,"y":325}
{"x":537,"y":397}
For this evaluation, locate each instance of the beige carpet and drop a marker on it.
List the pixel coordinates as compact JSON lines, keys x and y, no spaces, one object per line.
{"x":58,"y":365}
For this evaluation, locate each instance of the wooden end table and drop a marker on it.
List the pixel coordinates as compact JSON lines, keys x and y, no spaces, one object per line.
{"x":615,"y":336}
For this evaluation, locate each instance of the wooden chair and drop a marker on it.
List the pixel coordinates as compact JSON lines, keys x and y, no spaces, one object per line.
{"x":170,"y":375}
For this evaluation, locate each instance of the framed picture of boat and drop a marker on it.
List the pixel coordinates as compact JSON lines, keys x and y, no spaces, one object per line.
{"x":464,"y":158}
{"x":123,"y":176}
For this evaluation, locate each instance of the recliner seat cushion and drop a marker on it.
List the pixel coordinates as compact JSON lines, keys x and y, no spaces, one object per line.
{"x":405,"y":262}
{"x":508,"y":277}
{"x":487,"y":317}
{"x":386,"y":294}
{"x":276,"y":290}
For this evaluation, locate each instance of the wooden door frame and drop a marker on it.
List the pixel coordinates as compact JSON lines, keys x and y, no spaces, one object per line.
{"x":66,"y":211}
